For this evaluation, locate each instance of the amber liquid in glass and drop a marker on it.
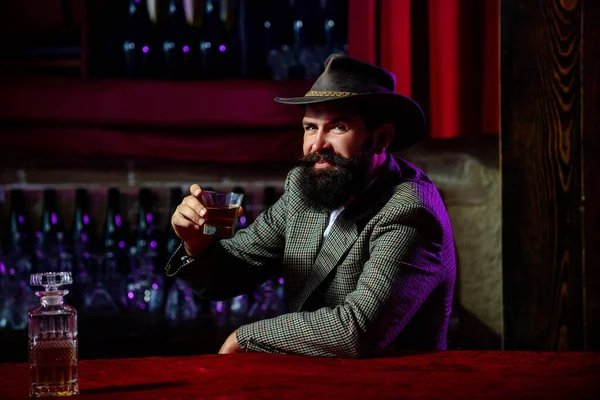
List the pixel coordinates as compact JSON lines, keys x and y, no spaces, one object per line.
{"x":220,"y":220}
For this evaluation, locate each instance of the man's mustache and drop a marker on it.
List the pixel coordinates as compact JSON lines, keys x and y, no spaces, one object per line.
{"x":328,"y":156}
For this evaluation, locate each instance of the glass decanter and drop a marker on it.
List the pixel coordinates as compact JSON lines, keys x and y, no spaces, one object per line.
{"x":52,"y":339}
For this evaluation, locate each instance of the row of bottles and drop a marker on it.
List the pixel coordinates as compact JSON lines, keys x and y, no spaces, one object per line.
{"x":214,"y":39}
{"x":120,"y":270}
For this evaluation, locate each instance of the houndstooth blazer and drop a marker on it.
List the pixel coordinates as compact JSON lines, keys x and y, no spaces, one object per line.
{"x":383,"y":279}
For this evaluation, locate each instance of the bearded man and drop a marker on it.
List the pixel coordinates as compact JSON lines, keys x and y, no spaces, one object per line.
{"x":361,"y":238}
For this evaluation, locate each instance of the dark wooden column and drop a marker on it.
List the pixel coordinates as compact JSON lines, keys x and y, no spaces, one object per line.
{"x":541,"y":160}
{"x":591,"y":168}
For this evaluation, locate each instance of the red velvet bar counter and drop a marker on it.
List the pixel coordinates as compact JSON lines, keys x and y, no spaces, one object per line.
{"x":438,"y":375}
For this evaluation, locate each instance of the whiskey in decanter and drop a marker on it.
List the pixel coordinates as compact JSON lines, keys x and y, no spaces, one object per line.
{"x":52,"y":339}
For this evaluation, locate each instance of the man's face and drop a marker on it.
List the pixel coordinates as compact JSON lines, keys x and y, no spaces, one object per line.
{"x":337,"y":158}
{"x":336,"y":127}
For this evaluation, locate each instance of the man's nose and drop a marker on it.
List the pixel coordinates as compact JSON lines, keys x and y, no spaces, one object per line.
{"x":320,"y":143}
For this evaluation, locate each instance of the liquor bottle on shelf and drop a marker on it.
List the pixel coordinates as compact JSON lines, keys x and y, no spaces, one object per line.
{"x":84,"y":245}
{"x":19,"y":236}
{"x":115,"y":236}
{"x":110,"y":267}
{"x":279,"y":38}
{"x":229,"y":44}
{"x":51,"y":246}
{"x":147,"y":234}
{"x":16,"y":297}
{"x":145,"y":286}
{"x":309,"y":40}
{"x":83,"y":232}
{"x":254,"y":43}
{"x":220,"y":54}
{"x":178,"y":54}
{"x":335,"y":26}
{"x":139,"y":44}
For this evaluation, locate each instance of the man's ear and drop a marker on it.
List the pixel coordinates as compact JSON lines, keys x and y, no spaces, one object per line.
{"x":382,"y":137}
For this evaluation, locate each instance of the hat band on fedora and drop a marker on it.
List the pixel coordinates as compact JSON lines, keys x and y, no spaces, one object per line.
{"x":328,"y":93}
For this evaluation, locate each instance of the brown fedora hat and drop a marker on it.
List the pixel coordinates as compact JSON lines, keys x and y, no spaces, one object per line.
{"x":346,"y":77}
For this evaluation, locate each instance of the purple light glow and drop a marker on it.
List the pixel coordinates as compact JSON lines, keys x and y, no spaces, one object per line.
{"x":84,"y":237}
{"x":2,"y":268}
{"x":21,"y":219}
{"x":53,"y":219}
{"x":145,"y":49}
{"x":38,"y":234}
{"x":222,"y":48}
{"x":11,"y":271}
{"x":243,"y":220}
{"x":187,"y":298}
{"x":149,"y":217}
{"x":130,"y":295}
{"x":219,"y":306}
{"x":86,"y":219}
{"x":122,"y":244}
{"x":186,"y":49}
{"x":154,"y":286}
{"x":118,"y":220}
{"x":153,"y":244}
{"x":281,"y":281}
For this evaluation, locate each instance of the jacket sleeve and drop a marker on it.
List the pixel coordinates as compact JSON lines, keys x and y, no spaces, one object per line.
{"x":232,"y":266}
{"x":403,"y":269}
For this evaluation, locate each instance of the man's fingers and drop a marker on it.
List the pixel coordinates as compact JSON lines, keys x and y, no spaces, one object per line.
{"x":181,"y":221}
{"x":190,"y":214}
{"x":195,"y":190}
{"x":240,"y":211}
{"x":195,"y":204}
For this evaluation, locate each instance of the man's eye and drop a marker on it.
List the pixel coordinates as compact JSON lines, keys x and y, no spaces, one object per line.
{"x":310,"y":128}
{"x":340,"y":127}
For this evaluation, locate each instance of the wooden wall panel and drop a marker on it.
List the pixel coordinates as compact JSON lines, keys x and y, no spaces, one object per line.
{"x":591,"y":171}
{"x":541,"y":162}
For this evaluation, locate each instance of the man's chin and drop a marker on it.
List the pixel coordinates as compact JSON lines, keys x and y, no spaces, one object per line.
{"x":323,"y":193}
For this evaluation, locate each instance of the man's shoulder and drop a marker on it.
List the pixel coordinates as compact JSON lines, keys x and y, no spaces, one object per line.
{"x":293,"y":175}
{"x":411,"y":182}
{"x":414,"y":190}
{"x":408,"y":172}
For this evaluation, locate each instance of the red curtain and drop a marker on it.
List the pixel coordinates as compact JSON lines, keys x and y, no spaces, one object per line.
{"x":445,"y":55}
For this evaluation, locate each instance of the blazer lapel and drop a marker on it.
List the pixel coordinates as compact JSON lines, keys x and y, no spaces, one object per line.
{"x":308,"y":230}
{"x":342,"y":236}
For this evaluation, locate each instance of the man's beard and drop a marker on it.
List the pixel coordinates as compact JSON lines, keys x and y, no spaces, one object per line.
{"x":331,"y":187}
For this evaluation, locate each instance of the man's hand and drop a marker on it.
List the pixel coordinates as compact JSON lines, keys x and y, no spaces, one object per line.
{"x":231,"y":345}
{"x":188,"y":220}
